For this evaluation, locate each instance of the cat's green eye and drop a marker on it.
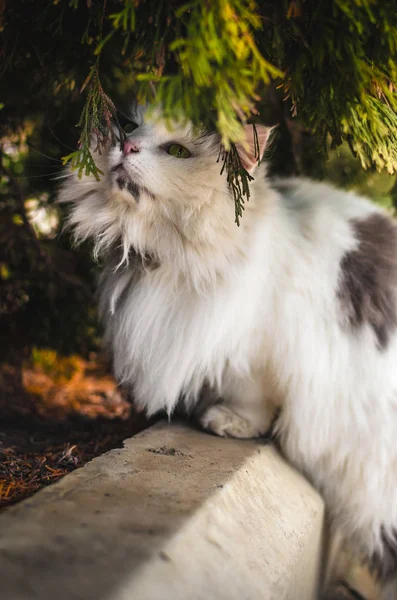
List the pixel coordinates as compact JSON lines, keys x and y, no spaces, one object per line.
{"x":130,"y":127}
{"x":178,"y":151}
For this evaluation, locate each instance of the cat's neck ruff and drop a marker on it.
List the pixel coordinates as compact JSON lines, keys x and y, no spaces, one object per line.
{"x":204,"y":248}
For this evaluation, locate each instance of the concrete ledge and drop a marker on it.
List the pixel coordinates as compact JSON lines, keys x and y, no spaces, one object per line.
{"x":175,"y":515}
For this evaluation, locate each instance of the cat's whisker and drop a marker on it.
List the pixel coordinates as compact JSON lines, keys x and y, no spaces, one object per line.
{"x":29,"y":166}
{"x":28,"y":177}
{"x":64,"y":175}
{"x":42,"y":153}
{"x":57,"y":138}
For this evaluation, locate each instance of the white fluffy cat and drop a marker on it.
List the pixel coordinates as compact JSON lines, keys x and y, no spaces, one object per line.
{"x":296,"y":310}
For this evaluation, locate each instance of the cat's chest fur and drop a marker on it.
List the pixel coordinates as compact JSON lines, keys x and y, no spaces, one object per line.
{"x":169,"y":339}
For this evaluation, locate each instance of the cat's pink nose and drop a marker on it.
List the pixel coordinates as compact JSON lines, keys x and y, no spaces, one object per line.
{"x":129,"y":147}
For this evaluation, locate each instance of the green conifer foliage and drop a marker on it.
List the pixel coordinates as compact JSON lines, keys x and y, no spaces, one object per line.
{"x":333,"y":60}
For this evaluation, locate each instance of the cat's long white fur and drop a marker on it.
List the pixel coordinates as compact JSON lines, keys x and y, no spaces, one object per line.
{"x":253,"y":311}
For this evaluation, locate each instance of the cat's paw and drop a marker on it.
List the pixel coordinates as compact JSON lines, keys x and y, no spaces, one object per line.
{"x":223,"y":421}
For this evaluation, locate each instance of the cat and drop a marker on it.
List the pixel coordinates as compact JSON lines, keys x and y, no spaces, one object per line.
{"x":293,"y":313}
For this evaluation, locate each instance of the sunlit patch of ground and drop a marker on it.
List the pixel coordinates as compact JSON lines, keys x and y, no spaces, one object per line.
{"x":50,"y":386}
{"x":57,"y":413}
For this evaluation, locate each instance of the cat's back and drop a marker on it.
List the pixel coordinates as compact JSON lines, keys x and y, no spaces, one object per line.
{"x":307,"y":198}
{"x":333,"y":222}
{"x":353,"y":242}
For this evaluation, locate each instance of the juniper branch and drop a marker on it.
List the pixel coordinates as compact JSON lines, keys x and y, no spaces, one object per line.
{"x":335,"y":62}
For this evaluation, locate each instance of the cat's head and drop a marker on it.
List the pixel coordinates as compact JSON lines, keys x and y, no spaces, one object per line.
{"x":162,"y":193}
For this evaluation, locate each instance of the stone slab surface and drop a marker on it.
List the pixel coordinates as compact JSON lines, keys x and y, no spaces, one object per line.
{"x":174,"y":515}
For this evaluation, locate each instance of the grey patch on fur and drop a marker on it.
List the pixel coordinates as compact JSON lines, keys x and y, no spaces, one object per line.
{"x":87,"y":195}
{"x":142,"y":262}
{"x":131,"y":187}
{"x":138,"y":265}
{"x":136,"y":261}
{"x":342,"y":591}
{"x":206,"y":399}
{"x":384,"y":565}
{"x":368,"y":277}
{"x":134,"y":190}
{"x":283,"y":186}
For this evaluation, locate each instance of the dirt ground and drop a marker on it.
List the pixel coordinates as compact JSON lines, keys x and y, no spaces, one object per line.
{"x":55,"y":415}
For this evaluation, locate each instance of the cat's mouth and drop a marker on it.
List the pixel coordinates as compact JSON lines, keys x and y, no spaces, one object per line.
{"x":124,"y":181}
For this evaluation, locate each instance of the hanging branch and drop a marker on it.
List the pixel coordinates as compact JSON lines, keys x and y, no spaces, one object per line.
{"x":238,"y":177}
{"x":96,"y":119}
{"x":238,"y":180}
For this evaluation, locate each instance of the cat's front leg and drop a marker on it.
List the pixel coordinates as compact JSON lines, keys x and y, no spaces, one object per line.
{"x":244,"y":412}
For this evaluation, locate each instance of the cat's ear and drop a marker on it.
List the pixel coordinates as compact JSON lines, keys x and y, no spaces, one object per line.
{"x":252,"y":147}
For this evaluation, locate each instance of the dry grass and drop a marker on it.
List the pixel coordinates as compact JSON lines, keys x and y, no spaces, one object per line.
{"x":21,"y":474}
